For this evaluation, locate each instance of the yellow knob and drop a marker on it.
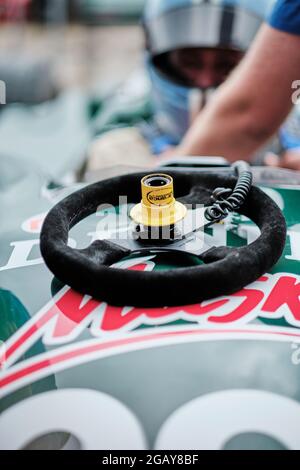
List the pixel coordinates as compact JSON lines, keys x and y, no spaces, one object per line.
{"x":158,"y":206}
{"x":157,"y":190}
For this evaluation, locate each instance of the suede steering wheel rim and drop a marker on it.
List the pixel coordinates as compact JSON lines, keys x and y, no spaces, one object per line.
{"x":225,"y":270}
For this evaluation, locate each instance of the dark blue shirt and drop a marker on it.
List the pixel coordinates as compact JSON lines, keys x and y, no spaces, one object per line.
{"x":286,"y":16}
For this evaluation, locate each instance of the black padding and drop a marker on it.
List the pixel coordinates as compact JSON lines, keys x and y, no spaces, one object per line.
{"x":226,"y":271}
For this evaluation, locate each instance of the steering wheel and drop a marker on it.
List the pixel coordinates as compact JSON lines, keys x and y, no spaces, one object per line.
{"x":224,"y":270}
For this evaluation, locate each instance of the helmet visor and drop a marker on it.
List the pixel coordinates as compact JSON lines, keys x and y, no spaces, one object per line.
{"x":203,"y":25}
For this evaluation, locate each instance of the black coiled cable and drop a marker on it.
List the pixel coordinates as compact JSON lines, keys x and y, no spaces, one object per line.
{"x":226,"y":200}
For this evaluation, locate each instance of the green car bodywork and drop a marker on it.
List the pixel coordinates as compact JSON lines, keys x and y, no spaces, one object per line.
{"x":238,"y":353}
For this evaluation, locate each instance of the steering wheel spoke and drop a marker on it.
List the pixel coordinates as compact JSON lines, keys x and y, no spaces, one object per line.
{"x":217,"y":253}
{"x":196,"y":195}
{"x":105,"y":252}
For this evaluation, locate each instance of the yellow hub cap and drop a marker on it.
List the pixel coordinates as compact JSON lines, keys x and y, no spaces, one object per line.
{"x":158,"y":207}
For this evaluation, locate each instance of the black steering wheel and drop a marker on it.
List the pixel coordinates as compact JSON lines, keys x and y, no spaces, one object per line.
{"x":225,"y":270}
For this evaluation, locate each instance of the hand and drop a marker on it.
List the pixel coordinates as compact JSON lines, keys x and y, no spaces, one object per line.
{"x":290,"y":160}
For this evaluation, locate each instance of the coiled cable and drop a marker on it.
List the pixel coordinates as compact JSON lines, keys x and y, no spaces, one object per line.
{"x":226,"y":200}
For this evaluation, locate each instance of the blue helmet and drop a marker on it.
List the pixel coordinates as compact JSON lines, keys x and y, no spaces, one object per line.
{"x":177,"y":24}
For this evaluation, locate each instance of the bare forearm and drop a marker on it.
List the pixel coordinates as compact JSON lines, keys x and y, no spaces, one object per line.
{"x":222,"y":131}
{"x":250,"y":106}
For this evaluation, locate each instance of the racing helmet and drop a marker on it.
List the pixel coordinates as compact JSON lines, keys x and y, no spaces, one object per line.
{"x":171,"y":25}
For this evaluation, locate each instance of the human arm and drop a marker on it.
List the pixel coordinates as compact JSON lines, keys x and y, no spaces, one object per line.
{"x":250,"y":106}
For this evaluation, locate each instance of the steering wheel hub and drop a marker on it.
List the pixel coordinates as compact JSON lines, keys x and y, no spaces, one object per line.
{"x":158,"y":207}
